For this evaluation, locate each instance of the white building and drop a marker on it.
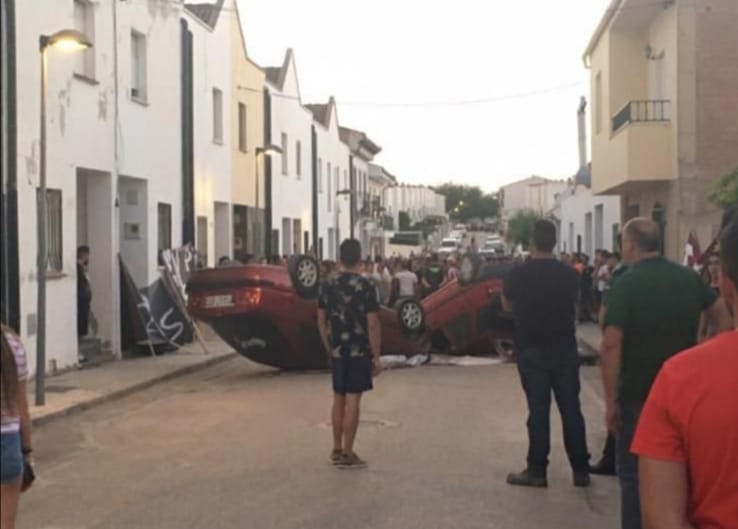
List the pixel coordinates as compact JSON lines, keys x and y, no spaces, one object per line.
{"x":291,"y":186}
{"x":332,"y":162}
{"x":535,"y":194}
{"x":212,"y":139}
{"x":355,"y":208}
{"x":113,"y":157}
{"x":419,"y":202}
{"x":587,"y":222}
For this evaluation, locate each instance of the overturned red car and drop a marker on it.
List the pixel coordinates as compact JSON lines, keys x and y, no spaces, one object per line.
{"x":269,"y":313}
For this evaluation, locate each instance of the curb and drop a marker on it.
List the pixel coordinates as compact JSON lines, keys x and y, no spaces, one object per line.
{"x":124,"y":392}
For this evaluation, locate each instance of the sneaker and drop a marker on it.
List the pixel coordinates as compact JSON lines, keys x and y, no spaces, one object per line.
{"x":336,"y":457}
{"x":582,"y":480}
{"x":351,"y":461}
{"x":603,"y":468}
{"x":526,"y":479}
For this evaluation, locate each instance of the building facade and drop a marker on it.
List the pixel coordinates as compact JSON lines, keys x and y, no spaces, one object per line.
{"x":534,"y":194}
{"x":665,"y":111}
{"x":331,"y":162}
{"x":247,"y":136}
{"x":291,"y":172}
{"x":587,"y":222}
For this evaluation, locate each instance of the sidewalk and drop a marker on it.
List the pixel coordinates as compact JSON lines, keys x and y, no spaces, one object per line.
{"x":82,"y":389}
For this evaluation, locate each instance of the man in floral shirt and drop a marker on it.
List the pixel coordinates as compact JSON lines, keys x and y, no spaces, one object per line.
{"x":349,"y":327}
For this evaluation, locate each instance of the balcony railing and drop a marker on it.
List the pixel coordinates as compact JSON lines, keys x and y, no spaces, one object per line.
{"x":657,"y":110}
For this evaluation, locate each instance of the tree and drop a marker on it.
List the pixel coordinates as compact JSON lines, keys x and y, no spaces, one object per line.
{"x":726,"y":190}
{"x":468,"y":202}
{"x":520,"y":228}
{"x":404,"y":220}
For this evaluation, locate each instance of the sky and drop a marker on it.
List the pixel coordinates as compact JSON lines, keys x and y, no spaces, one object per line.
{"x":406,"y":72}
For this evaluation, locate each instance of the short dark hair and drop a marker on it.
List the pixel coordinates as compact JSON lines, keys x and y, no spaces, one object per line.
{"x":544,"y":235}
{"x":83,"y":250}
{"x":729,"y":251}
{"x":350,"y":252}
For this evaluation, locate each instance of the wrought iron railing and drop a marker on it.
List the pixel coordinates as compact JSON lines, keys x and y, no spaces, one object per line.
{"x":657,"y":110}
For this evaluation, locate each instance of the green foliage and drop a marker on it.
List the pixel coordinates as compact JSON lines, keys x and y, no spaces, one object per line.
{"x":404,"y":221}
{"x":470,"y":201}
{"x":520,"y":228}
{"x":726,"y":190}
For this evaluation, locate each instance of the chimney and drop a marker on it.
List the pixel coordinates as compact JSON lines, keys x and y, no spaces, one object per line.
{"x":582,"y":126}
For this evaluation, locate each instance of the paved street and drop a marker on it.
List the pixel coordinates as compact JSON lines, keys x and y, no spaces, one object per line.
{"x":238,"y":446}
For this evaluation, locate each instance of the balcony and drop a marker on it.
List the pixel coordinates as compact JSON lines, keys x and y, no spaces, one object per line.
{"x":640,"y":150}
{"x":655,"y":111}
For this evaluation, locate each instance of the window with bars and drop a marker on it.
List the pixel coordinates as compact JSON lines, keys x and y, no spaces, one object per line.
{"x":54,"y":247}
{"x":138,"y":66}
{"x":298,"y":159}
{"x":84,"y":22}
{"x":242,"y":143}
{"x":217,"y":116}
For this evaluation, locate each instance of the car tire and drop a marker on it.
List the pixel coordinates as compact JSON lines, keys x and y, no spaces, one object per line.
{"x":411,"y":316}
{"x":304,"y":273}
{"x":469,"y":269}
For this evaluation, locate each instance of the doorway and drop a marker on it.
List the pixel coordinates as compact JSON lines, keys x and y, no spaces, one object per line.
{"x":202,"y":242}
{"x":222,"y":233}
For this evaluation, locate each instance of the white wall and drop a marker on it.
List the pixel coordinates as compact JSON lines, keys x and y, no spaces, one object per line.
{"x":574,"y":209}
{"x":150,"y":130}
{"x":331,"y":151}
{"x":211,"y":59}
{"x":79,"y":134}
{"x":291,"y":193}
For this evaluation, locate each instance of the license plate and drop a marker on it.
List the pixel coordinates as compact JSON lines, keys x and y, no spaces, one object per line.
{"x":216,"y":302}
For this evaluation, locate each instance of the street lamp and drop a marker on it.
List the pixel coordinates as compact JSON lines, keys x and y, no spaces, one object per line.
{"x":266,"y":150}
{"x":66,"y":40}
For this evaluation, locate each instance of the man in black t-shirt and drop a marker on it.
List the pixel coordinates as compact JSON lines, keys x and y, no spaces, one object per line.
{"x":542,"y":295}
{"x":349,"y":326}
{"x":433,"y":275}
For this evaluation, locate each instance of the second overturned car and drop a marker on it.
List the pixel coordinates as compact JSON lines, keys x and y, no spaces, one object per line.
{"x":268,"y":313}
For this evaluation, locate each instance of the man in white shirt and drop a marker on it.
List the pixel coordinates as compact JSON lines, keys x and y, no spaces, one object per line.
{"x":407,"y":281}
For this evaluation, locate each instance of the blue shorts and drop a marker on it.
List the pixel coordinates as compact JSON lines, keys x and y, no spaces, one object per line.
{"x":11,"y":458}
{"x":352,"y":374}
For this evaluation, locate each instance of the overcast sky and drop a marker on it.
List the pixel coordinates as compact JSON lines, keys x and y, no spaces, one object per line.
{"x":378,"y":56}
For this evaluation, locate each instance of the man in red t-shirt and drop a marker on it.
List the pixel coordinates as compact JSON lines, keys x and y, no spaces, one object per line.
{"x":687,"y":436}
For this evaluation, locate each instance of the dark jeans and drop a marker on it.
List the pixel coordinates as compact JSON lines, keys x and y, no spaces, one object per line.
{"x":541,"y":372}
{"x":630,"y":502}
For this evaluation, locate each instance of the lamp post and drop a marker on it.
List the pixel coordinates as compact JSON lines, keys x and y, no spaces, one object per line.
{"x":267,"y":150}
{"x":69,"y":40}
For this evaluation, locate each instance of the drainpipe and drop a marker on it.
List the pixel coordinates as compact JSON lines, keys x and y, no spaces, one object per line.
{"x":10,"y":274}
{"x":116,"y":339}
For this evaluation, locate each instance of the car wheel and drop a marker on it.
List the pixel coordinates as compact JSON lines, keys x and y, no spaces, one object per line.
{"x":469,"y":269}
{"x":411,"y":316}
{"x":305,"y":275}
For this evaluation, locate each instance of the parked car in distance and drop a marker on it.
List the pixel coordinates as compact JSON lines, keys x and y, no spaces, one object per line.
{"x":449,"y":245}
{"x":269,"y":314}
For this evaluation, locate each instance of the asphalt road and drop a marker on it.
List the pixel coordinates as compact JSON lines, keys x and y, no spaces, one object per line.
{"x":237,"y":446}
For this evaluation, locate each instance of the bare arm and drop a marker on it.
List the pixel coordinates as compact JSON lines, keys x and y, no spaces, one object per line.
{"x":25,"y":415}
{"x":507,"y":305}
{"x":719,"y":316}
{"x":664,"y":492}
{"x":610,"y":355}
{"x":375,"y":333}
{"x":323,"y":329}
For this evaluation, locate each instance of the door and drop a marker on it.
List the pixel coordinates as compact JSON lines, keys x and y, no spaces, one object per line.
{"x":202,"y":242}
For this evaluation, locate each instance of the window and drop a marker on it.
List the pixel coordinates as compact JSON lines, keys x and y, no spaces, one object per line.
{"x":164,"y":227}
{"x":598,"y":103}
{"x":320,"y":175}
{"x":53,"y":229}
{"x":330,"y":192}
{"x":286,"y":236}
{"x":242,"y":144}
{"x":285,"y":158}
{"x":217,"y":116}
{"x":298,"y":161}
{"x":84,"y":21}
{"x":138,"y":66}
{"x":345,"y":180}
